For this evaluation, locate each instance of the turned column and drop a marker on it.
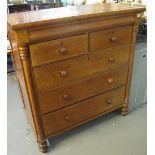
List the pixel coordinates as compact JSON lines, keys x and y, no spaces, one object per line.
{"x":24,"y":56}
{"x":124,"y":110}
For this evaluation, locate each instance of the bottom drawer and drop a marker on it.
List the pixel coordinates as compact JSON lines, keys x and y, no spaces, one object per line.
{"x":82,"y":111}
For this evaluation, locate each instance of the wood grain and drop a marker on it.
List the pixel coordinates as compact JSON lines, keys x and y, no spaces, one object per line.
{"x":52,"y":75}
{"x":57,"y":50}
{"x":126,"y":103}
{"x":110,"y":38}
{"x":82,"y":111}
{"x":20,"y":77}
{"x":75,"y":28}
{"x":26,"y":20}
{"x":73,"y":64}
{"x":23,"y":52}
{"x":71,"y":93}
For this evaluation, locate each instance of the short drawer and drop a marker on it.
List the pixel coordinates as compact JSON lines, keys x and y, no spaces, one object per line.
{"x":82,"y":111}
{"x":110,"y":38}
{"x":77,"y":91}
{"x":56,"y":74}
{"x":50,"y":51}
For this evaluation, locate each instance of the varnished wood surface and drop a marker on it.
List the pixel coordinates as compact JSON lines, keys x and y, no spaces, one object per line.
{"x":64,"y":87}
{"x":77,"y":91}
{"x":39,"y":18}
{"x":110,"y":38}
{"x":50,"y":32}
{"x":131,"y":61}
{"x":62,"y":72}
{"x":19,"y":73}
{"x":60,"y":49}
{"x":26,"y":67}
{"x":82,"y":111}
{"x":86,"y":121}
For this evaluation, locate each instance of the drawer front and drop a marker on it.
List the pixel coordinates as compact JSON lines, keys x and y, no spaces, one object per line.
{"x":55,"y":50}
{"x":70,"y":70}
{"x":77,"y":91}
{"x":82,"y":111}
{"x":110,"y":38}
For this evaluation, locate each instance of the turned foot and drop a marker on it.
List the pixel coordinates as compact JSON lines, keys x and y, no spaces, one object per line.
{"x":42,"y":143}
{"x":124,"y":111}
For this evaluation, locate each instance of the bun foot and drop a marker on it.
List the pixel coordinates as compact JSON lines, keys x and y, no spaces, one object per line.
{"x":124,"y":111}
{"x":43,"y":150}
{"x":42,"y":143}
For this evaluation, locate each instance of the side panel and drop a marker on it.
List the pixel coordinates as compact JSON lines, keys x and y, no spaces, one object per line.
{"x":19,"y":74}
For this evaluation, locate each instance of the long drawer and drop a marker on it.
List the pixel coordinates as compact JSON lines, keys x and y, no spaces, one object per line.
{"x":50,"y":51}
{"x":110,"y":38}
{"x":82,"y":111}
{"x":77,"y":91}
{"x":59,"y":73}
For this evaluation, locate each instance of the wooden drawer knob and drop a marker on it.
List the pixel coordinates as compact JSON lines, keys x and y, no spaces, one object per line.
{"x":62,"y":50}
{"x":113,"y":39}
{"x":109,"y":101}
{"x":67,"y":118}
{"x":112,"y":59}
{"x":65,"y":96}
{"x":63,"y":73}
{"x":110,"y":80}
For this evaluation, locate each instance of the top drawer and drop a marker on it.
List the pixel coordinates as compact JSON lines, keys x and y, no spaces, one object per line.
{"x":46,"y":52}
{"x":110,"y":38}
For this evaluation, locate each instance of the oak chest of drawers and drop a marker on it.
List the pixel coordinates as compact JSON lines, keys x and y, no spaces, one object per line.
{"x":73,"y":64}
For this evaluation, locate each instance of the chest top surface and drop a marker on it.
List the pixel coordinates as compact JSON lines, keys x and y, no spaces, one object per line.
{"x":32,"y":19}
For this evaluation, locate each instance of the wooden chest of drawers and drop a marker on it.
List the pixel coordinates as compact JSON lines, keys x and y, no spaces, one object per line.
{"x":73,"y":64}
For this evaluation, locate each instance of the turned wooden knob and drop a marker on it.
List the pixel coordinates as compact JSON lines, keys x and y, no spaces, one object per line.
{"x":109,"y":101}
{"x":65,"y":96}
{"x":62,"y":50}
{"x":110,"y":80}
{"x":63,"y":73}
{"x":111,"y":59}
{"x":113,"y":39}
{"x":67,"y":118}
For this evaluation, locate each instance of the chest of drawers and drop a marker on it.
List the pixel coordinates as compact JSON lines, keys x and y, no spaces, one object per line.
{"x":73,"y":64}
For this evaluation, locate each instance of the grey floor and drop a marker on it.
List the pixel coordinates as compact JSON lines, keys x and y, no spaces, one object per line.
{"x":112,"y":134}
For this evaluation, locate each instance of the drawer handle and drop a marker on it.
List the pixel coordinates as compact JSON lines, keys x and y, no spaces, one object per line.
{"x":63,"y":73}
{"x":111,"y":59}
{"x":110,"y":80}
{"x":109,"y":101}
{"x":65,"y":96}
{"x":67,"y":118}
{"x":113,"y":39}
{"x":62,"y":50}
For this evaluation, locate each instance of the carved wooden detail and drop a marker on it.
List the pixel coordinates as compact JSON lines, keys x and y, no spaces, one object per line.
{"x":124,"y":110}
{"x":42,"y":143}
{"x":131,"y":61}
{"x":76,"y":66}
{"x":23,"y":52}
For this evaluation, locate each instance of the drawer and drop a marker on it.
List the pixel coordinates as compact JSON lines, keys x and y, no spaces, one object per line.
{"x":56,"y":74}
{"x":69,"y":94}
{"x":82,"y":111}
{"x":55,"y":50}
{"x":110,"y":38}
